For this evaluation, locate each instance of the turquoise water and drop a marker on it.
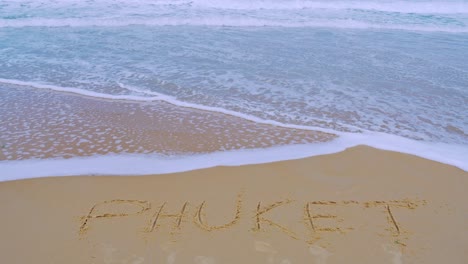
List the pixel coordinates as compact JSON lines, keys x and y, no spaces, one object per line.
{"x":398,"y":67}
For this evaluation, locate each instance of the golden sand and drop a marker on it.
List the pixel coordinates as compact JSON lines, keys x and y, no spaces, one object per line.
{"x":359,"y":206}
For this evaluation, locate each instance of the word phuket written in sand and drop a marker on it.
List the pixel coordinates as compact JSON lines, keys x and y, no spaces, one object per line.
{"x":259,"y":217}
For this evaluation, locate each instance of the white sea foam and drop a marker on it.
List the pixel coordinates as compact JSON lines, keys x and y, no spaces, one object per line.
{"x":126,"y":164}
{"x":444,"y":16}
{"x":224,"y":21}
{"x":78,"y":91}
{"x":174,"y":101}
{"x":434,"y":7}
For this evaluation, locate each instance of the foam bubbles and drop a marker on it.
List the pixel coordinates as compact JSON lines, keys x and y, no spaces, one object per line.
{"x":239,"y":13}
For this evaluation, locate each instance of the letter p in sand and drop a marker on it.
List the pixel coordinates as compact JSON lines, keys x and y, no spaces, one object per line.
{"x":114,"y":208}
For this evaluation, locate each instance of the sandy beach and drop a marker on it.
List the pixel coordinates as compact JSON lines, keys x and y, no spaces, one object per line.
{"x":359,"y":206}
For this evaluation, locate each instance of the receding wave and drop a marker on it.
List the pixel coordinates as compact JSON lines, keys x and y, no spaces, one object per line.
{"x":417,"y":7}
{"x":433,"y":7}
{"x":223,"y":21}
{"x":445,"y":16}
{"x":148,"y":96}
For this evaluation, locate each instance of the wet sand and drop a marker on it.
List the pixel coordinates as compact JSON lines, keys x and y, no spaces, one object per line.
{"x":47,"y":124}
{"x":359,"y":206}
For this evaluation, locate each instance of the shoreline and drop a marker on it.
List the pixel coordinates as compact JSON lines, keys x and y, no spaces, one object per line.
{"x":151,"y":164}
{"x":92,"y":133}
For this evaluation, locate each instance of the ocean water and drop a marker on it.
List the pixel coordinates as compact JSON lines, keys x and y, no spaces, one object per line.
{"x":384,"y":69}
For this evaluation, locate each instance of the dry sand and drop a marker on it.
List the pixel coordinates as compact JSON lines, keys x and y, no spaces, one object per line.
{"x":359,"y":206}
